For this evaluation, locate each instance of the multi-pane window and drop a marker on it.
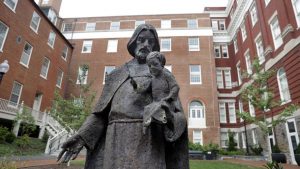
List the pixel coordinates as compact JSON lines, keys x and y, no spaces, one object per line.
{"x":283,"y":86}
{"x":239,"y":73}
{"x":60,"y":75}
{"x":15,"y":94}
{"x":82,"y":74}
{"x":227,"y":74}
{"x":137,"y":23}
{"x":232,"y":113}
{"x":195,"y":74}
{"x":68,"y":27}
{"x":197,"y":110}
{"x":260,"y":50}
{"x":276,"y":32}
{"x":107,"y":70}
{"x":35,"y":21}
{"x":12,"y":4}
{"x":115,"y":26}
{"x":87,"y":46}
{"x":165,"y":24}
{"x":90,"y":26}
{"x":251,"y":109}
{"x":244,"y":32}
{"x":235,"y":45}
{"x":254,"y":136}
{"x":224,"y":139}
{"x":3,"y":34}
{"x":215,"y":25}
{"x":192,"y":23}
{"x":241,"y":109}
{"x":52,"y":16}
{"x":112,"y":46}
{"x":243,"y":140}
{"x":222,"y":110}
{"x":51,"y":39}
{"x":253,"y":14}
{"x":248,"y":63}
{"x":165,"y":44}
{"x":197,"y":137}
{"x":26,"y":54}
{"x":267,"y":2}
{"x":220,"y":82}
{"x":225,"y":51}
{"x":194,"y":44}
{"x":45,"y":67}
{"x":296,"y":7}
{"x":64,"y":53}
{"x":217,"y":51}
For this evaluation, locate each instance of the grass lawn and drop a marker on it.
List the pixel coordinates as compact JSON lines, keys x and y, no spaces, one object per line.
{"x":35,"y":147}
{"x":200,"y":164}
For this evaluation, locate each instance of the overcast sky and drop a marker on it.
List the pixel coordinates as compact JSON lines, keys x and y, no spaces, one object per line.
{"x":89,"y":8}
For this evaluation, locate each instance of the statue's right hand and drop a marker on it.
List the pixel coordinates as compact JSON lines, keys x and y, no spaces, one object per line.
{"x":70,"y":149}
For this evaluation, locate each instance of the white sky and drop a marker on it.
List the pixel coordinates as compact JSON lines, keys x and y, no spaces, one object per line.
{"x":89,"y":8}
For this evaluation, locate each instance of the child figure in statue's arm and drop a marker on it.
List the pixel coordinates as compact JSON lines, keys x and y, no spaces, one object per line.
{"x":164,"y":91}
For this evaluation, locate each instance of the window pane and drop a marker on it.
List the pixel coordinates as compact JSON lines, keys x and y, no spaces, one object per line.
{"x":11,"y":3}
{"x":15,"y":93}
{"x":192,"y":23}
{"x":26,"y":54}
{"x":90,"y":26}
{"x":45,"y":67}
{"x":35,"y":20}
{"x":115,"y":26}
{"x":112,"y":46}
{"x":87,"y":46}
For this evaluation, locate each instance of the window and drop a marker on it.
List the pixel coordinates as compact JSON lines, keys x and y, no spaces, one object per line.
{"x":112,"y":46}
{"x":192,"y":23}
{"x":68,"y":27}
{"x":195,"y":74}
{"x":217,"y":51}
{"x":3,"y":34}
{"x":115,"y":26}
{"x":251,"y":109}
{"x":260,"y":50}
{"x":90,"y":26}
{"x":222,"y":110}
{"x":64,"y":53}
{"x":52,"y":16}
{"x":51,"y":39}
{"x":194,"y":44}
{"x":296,"y":7}
{"x":168,"y":67}
{"x":215,"y":25}
{"x":25,"y":58}
{"x":248,"y":63}
{"x":59,"y":79}
{"x":220,"y":82}
{"x":35,"y":22}
{"x":222,"y":25}
{"x":137,"y":23}
{"x":254,"y":136}
{"x":244,"y":32}
{"x":239,"y":73}
{"x":232,"y":113}
{"x":224,"y":139}
{"x":45,"y":67}
{"x":236,"y":49}
{"x":241,"y":109}
{"x":82,"y":74}
{"x":197,"y":115}
{"x":165,"y":44}
{"x":253,"y":14}
{"x":12,"y":4}
{"x":87,"y":46}
{"x":197,"y":137}
{"x":283,"y":86}
{"x":107,"y":70}
{"x":267,"y":2}
{"x":165,"y":24}
{"x":15,"y":94}
{"x":227,"y":74}
{"x":244,"y":139}
{"x":225,"y":51}
{"x":276,"y":32}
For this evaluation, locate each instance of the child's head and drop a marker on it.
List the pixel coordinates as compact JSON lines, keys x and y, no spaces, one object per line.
{"x":156,"y":62}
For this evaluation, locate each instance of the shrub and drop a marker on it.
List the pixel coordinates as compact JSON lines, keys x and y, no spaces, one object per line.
{"x":256,"y":149}
{"x":275,"y":149}
{"x":273,"y":165}
{"x":5,"y":164}
{"x":297,"y":150}
{"x":3,"y":132}
{"x":231,"y":153}
{"x":195,"y":146}
{"x":231,"y":143}
{"x":23,"y":142}
{"x":211,"y":147}
{"x":10,"y":138}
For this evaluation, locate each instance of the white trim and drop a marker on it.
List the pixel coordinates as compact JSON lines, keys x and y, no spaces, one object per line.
{"x":87,"y":42}
{"x":61,"y":79}
{"x":38,"y":24}
{"x":29,"y":55}
{"x":10,"y":103}
{"x":289,"y":135}
{"x":4,"y":38}
{"x":195,"y":73}
{"x":49,"y":62}
{"x":14,"y":9}
{"x":53,"y":33}
{"x":169,"y":40}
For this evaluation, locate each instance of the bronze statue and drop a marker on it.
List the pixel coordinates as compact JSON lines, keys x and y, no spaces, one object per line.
{"x":113,"y":133}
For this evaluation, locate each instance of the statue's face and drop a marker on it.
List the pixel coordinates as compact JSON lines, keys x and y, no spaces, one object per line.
{"x":144,"y":45}
{"x":155,"y":66}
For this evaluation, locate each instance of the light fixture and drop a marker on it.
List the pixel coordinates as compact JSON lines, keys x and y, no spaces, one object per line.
{"x":4,"y":67}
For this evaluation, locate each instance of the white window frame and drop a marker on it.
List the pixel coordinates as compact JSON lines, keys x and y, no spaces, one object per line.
{"x":35,"y":15}
{"x":194,"y":47}
{"x":52,"y":16}
{"x":239,"y":73}
{"x":222,"y":22}
{"x":166,"y":24}
{"x":165,"y":40}
{"x":59,"y":79}
{"x":80,"y":75}
{"x":26,"y":55}
{"x":3,"y":37}
{"x":244,"y":139}
{"x":241,"y":108}
{"x":243,"y":31}
{"x":115,"y":26}
{"x":232,"y":113}
{"x":17,"y":94}
{"x":215,"y":25}
{"x":192,"y":23}
{"x":224,"y":50}
{"x":198,"y":137}
{"x":251,"y":109}
{"x":248,"y":62}
{"x":223,"y":118}
{"x":64,"y":53}
{"x":267,"y":2}
{"x":254,"y":136}
{"x":51,"y":39}
{"x":195,"y":74}
{"x":235,"y":45}
{"x":276,"y":31}
{"x":91,"y":26}
{"x":284,"y":91}
{"x":64,"y":27}
{"x":260,"y":49}
{"x":138,"y":22}
{"x":88,"y":44}
{"x":296,"y":11}
{"x":47,"y":68}
{"x":112,"y":46}
{"x":227,"y":76}
{"x":220,"y":81}
{"x":105,"y":71}
{"x":217,"y":47}
{"x":224,"y":139}
{"x":253,"y":14}
{"x":10,"y":7}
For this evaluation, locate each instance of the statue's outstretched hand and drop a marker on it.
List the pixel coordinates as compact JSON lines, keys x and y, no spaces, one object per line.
{"x":70,"y":149}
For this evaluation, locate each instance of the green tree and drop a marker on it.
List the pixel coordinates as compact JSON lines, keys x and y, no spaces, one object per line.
{"x":231,"y":142}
